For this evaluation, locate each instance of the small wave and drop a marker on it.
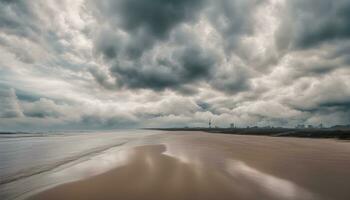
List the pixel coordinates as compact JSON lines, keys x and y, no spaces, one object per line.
{"x":45,"y":168}
{"x":14,"y":135}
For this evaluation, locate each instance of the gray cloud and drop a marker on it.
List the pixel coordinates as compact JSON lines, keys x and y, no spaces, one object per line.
{"x":316,"y":22}
{"x":136,"y":63}
{"x":44,"y":108}
{"x":327,"y":92}
{"x":157,"y":17}
{"x":145,"y":22}
{"x":233,"y":19}
{"x":9,"y":106}
{"x":17,"y":18}
{"x":186,"y":62}
{"x":232,"y":80}
{"x":186,"y":65}
{"x":131,"y":44}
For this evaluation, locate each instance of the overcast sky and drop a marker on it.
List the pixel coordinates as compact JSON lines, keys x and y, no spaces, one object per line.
{"x":88,"y":64}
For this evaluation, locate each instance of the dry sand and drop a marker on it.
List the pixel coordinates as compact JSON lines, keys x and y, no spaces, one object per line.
{"x":215,"y":166}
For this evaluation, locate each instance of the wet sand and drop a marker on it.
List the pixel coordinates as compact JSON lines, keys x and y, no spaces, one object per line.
{"x":207,"y":166}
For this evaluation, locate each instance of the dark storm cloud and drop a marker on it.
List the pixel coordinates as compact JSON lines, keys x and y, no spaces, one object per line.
{"x":326,"y":95}
{"x":232,"y":19}
{"x":156,"y":17}
{"x":187,"y":65}
{"x":136,"y":28}
{"x":317,"y":21}
{"x":17,"y":17}
{"x":102,"y":78}
{"x":122,"y":63}
{"x":232,"y":80}
{"x":145,"y":21}
{"x":187,"y":62}
{"x":302,"y":69}
{"x":148,"y":22}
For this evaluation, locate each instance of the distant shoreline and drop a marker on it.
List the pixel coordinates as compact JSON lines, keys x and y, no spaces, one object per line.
{"x":330,"y":133}
{"x":322,"y":133}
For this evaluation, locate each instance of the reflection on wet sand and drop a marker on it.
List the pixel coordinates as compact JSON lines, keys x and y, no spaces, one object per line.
{"x":245,"y":180}
{"x":164,"y":172}
{"x":266,"y":183}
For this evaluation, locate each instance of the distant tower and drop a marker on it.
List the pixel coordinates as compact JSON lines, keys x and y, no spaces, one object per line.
{"x":209,"y":123}
{"x":232,"y":125}
{"x":320,"y":126}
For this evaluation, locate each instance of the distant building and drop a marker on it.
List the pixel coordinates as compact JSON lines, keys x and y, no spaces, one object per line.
{"x":300,"y":126}
{"x":320,"y":126}
{"x":310,"y":126}
{"x":232,"y":125}
{"x":209,"y":123}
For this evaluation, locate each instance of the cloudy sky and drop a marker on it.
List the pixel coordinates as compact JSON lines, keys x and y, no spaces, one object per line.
{"x":87,"y":64}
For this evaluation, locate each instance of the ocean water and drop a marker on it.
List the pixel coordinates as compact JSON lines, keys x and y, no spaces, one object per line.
{"x":32,"y":162}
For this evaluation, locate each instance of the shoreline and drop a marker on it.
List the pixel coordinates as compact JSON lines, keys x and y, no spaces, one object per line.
{"x":30,"y":164}
{"x":314,"y":133}
{"x":219,"y":166}
{"x":43,"y":169}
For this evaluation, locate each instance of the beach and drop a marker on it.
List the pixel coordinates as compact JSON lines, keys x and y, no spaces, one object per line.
{"x":175,"y":100}
{"x":198,"y":165}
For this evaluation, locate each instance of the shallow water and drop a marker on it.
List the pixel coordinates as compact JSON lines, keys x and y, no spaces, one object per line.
{"x":27,"y":161}
{"x":241,"y":166}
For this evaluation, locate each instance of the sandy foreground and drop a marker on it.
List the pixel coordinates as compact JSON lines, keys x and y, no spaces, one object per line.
{"x":215,"y":166}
